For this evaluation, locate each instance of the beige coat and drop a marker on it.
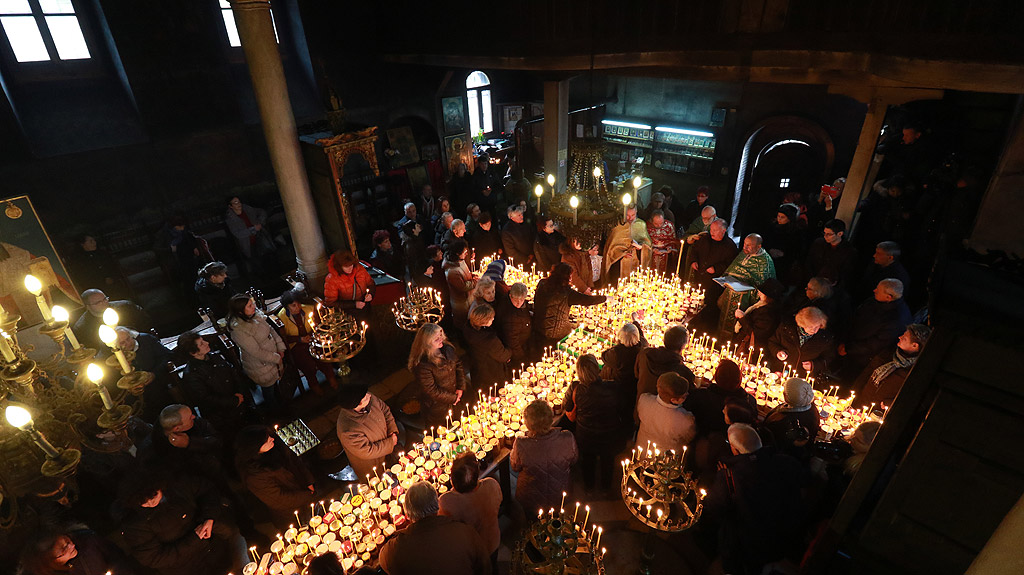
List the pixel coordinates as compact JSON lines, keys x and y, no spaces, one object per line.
{"x":366,"y":437}
{"x":259,"y":346}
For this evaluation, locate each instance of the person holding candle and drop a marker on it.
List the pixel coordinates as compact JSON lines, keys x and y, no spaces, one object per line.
{"x":348,"y":285}
{"x":475,"y":502}
{"x":663,"y":419}
{"x":758,"y":322}
{"x":433,"y":544}
{"x":542,"y":458}
{"x":602,"y":425}
{"x":96,"y":302}
{"x":261,"y":350}
{"x":213,"y":289}
{"x":438,"y":372}
{"x":552,"y":302}
{"x":582,"y":278}
{"x":710,"y":254}
{"x":461,"y":281}
{"x":488,"y":356}
{"x":273,"y":473}
{"x":628,"y":247}
{"x":297,"y":333}
{"x":803,"y":342}
{"x":366,"y":429}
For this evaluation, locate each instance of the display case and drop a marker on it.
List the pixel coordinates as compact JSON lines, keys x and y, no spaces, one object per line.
{"x":683,"y":150}
{"x":631,"y":143}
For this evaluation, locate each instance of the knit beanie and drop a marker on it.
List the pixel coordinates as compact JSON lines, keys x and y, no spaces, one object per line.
{"x":798,"y":393}
{"x":791,"y":211}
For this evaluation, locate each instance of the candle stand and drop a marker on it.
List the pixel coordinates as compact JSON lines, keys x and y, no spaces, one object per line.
{"x":661,"y":495}
{"x":420,"y":307}
{"x":337,"y":337}
{"x":558,"y":544}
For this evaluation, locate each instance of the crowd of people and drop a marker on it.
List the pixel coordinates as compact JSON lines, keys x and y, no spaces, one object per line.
{"x":205,"y":466}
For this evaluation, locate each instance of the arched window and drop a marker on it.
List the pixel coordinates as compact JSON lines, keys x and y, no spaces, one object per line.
{"x":43,"y":30}
{"x":479,"y":98}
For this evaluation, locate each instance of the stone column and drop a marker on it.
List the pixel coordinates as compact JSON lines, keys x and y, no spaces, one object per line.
{"x":556,"y":131}
{"x":252,"y":17}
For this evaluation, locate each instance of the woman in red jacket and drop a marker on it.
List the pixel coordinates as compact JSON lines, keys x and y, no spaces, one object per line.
{"x":348,"y":284}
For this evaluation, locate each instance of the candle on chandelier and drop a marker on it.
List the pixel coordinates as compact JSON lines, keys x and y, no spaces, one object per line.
{"x":5,"y":348}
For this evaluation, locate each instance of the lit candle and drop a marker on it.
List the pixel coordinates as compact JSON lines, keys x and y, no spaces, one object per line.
{"x":587,"y":518}
{"x":539,"y":191}
{"x":109,"y":337}
{"x":5,"y":348}
{"x":626,"y":200}
{"x":576,"y":512}
{"x":35,"y":287}
{"x":61,"y":314}
{"x":562,"y":504}
{"x":574,"y":203}
{"x":600,"y":530}
{"x":95,"y":374}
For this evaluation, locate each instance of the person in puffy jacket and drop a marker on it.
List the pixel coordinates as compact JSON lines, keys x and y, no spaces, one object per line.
{"x":260,"y":348}
{"x":543,"y":458}
{"x":552,"y":301}
{"x":348,"y":285}
{"x":461,"y":281}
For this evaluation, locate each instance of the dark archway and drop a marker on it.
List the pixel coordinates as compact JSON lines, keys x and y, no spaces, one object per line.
{"x":782,"y":147}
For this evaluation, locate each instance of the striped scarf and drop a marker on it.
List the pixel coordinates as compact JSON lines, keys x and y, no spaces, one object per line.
{"x":898,"y":360}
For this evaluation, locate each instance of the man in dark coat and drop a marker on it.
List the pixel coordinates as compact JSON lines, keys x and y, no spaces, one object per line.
{"x":758,"y":322}
{"x":485,"y":239}
{"x":552,"y":302}
{"x":651,"y":362}
{"x":755,"y":503}
{"x":886,"y":265}
{"x":212,"y":384}
{"x":514,"y":326}
{"x":691,"y":211}
{"x":883,"y":377}
{"x":831,"y":256}
{"x":803,"y":342}
{"x":433,"y":543}
{"x":711,"y":254}
{"x":488,"y":356}
{"x":877,"y":325}
{"x":487,"y":184}
{"x":834,"y":302}
{"x":517,"y":238}
{"x":96,"y":302}
{"x":150,"y":356}
{"x":178,"y":525}
{"x":706,"y":403}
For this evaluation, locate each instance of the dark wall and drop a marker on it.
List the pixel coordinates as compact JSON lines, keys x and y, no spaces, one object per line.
{"x":689,"y":104}
{"x":160,"y":119}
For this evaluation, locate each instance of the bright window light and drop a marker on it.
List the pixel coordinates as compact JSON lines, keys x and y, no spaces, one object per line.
{"x":474,"y":112}
{"x":67,"y":37}
{"x":485,"y":107}
{"x":784,"y":183}
{"x":477,"y":79}
{"x":684,"y":131}
{"x":25,"y":39}
{"x":15,"y":7}
{"x":57,"y":6}
{"x":626,"y":124}
{"x":232,"y":29}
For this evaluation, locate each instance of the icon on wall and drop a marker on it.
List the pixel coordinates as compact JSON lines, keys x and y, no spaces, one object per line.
{"x":453,"y":114}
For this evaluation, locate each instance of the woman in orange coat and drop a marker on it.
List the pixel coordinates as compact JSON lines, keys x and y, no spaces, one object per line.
{"x":348,"y":284}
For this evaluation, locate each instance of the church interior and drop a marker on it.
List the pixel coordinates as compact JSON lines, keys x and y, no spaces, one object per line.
{"x":732,"y":283}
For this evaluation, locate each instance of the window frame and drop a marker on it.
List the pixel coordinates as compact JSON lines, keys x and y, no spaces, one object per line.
{"x":224,"y":26}
{"x":55,"y":61}
{"x":481,"y":92}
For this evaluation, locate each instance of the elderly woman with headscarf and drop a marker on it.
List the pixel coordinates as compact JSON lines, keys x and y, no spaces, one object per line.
{"x":792,"y":426}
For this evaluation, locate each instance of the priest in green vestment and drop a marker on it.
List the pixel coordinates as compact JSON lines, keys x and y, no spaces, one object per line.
{"x":752,"y":267}
{"x":627,"y":248}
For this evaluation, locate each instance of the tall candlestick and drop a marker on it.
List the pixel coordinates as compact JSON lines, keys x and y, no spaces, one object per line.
{"x":576,"y":512}
{"x":5,"y":348}
{"x":600,"y":530}
{"x":587,"y":518}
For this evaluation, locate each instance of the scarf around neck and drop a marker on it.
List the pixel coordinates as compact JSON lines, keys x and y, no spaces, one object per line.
{"x":899,"y":360}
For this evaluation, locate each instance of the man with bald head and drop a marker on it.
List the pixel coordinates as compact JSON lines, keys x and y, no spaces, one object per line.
{"x":96,"y":302}
{"x":711,"y":254}
{"x":751,"y":267}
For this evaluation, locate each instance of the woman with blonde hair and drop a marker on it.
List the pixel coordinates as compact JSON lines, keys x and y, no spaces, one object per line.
{"x":438,"y":371}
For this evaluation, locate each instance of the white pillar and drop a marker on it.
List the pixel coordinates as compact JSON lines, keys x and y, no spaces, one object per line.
{"x":256,"y":31}
{"x":556,"y":130}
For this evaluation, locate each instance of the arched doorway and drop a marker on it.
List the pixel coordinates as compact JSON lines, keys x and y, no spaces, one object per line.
{"x":782,"y":154}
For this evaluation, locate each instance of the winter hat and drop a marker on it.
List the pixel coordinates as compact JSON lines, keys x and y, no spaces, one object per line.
{"x":791,"y":211}
{"x":864,"y":435}
{"x":772,"y":288}
{"x":727,"y":375}
{"x":798,"y":393}
{"x":496,"y":271}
